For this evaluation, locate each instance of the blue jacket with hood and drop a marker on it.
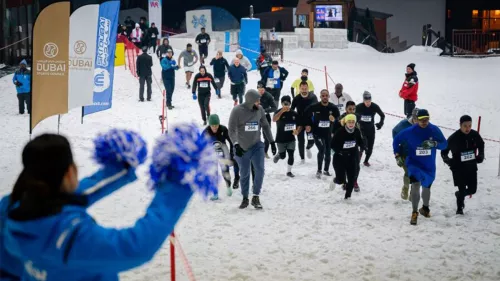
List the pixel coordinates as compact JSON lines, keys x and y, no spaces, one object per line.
{"x":72,"y":245}
{"x":421,"y":167}
{"x":23,"y":77}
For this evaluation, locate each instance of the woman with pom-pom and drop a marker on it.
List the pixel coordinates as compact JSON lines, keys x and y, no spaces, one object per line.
{"x":46,"y":227}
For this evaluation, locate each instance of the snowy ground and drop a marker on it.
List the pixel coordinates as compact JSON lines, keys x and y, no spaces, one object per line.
{"x":306,"y":232}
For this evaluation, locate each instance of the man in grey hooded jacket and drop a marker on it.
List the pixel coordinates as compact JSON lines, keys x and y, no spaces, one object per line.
{"x":245,"y":123}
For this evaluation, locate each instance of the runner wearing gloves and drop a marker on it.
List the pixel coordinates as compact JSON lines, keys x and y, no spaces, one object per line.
{"x":463,"y":164}
{"x":404,"y":124}
{"x":219,"y":135}
{"x":220,"y":66}
{"x":321,"y":117}
{"x":202,"y":81}
{"x":347,"y":142}
{"x":422,"y":142}
{"x":339,"y":98}
{"x":286,"y":122}
{"x":267,"y":102}
{"x":300,"y":103}
{"x":366,"y":112}
{"x":238,"y":77}
{"x":295,"y":90}
{"x":245,"y":122}
{"x":274,"y":77}
{"x":409,"y":90}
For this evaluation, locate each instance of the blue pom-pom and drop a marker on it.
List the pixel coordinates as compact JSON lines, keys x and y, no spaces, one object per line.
{"x":187,"y":157}
{"x":120,"y":147}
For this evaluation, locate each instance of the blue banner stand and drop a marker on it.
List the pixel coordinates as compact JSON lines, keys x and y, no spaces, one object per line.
{"x":250,"y":39}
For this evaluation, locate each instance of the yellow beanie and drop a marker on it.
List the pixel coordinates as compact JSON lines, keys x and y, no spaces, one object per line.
{"x":350,"y":117}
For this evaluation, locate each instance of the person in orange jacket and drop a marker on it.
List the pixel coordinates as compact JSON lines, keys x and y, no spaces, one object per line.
{"x":409,"y":90}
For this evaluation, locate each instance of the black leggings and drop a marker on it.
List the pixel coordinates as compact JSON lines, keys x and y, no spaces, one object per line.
{"x":323,"y":145}
{"x":266,"y":142}
{"x":466,"y":181}
{"x":346,"y":165}
{"x":370,"y":141}
{"x":302,"y":143}
{"x":204,"y":102}
{"x":290,"y":156}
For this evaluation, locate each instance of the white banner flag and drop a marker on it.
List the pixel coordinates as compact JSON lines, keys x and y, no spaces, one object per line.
{"x":155,"y":13}
{"x":82,"y":51}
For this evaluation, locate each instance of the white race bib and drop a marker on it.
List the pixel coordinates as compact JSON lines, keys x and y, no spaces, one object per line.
{"x":349,"y":144}
{"x":220,"y":153}
{"x":423,"y":152}
{"x":203,"y":84}
{"x":251,"y":127}
{"x":289,"y":127}
{"x":271,"y":82}
{"x":203,"y":41}
{"x":366,"y":118}
{"x":468,"y":156}
{"x":217,"y":80}
{"x":164,"y":55}
{"x":153,"y":35}
{"x":324,"y":124}
{"x":340,"y":107}
{"x":310,"y":137}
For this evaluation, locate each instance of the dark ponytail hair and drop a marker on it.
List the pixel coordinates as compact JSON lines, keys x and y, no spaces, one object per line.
{"x":46,"y":160}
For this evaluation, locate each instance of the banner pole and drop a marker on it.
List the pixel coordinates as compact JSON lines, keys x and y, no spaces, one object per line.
{"x":82,"y":115}
{"x":172,"y":257}
{"x":326,"y":78}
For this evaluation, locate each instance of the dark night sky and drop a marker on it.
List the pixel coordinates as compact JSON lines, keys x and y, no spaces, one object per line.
{"x":175,"y":10}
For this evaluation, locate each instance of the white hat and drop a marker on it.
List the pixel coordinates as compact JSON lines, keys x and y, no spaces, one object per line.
{"x":137,"y":25}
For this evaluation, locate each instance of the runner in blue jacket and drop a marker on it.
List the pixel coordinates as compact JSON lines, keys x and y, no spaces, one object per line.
{"x":422,"y":142}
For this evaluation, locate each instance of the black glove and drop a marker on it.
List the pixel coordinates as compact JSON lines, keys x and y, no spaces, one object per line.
{"x":273,"y":148}
{"x":18,"y":84}
{"x":379,"y":125}
{"x":310,"y":144}
{"x":239,"y":151}
{"x":447,"y":161}
{"x":480,"y":158}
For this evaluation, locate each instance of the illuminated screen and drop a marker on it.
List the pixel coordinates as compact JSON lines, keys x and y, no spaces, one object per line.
{"x":329,"y":13}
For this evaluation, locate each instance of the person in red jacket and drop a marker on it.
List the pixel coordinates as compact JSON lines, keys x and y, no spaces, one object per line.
{"x":409,"y":90}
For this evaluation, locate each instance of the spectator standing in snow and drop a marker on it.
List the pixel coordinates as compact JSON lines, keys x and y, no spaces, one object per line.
{"x":238,"y":77}
{"x":169,"y":66}
{"x":202,"y":82}
{"x":243,"y":60}
{"x":339,"y":98}
{"x":295,"y":90}
{"x":144,"y":64}
{"x":137,"y":35}
{"x":409,"y":90}
{"x":245,"y":122}
{"x":130,"y":24}
{"x":22,"y":80}
{"x":220,"y":66}
{"x":274,"y":77}
{"x":422,"y":142}
{"x":163,"y":49}
{"x":153,"y":36}
{"x":463,"y":145}
{"x":190,"y":59}
{"x":264,"y":61}
{"x":203,"y":40}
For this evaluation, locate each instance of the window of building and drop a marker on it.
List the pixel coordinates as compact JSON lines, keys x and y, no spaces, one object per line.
{"x":486,"y":20}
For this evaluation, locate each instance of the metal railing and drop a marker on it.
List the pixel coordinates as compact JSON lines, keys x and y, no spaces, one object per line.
{"x":473,"y":42}
{"x":363,"y":36}
{"x":273,"y":47}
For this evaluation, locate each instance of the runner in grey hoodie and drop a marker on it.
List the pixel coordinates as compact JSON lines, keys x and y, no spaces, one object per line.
{"x":245,"y":123}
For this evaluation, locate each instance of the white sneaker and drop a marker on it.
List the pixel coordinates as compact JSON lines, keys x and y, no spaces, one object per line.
{"x":229,"y":191}
{"x":309,"y":154}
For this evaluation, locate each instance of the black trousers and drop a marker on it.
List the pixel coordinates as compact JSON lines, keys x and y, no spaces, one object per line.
{"x":266,"y":142}
{"x":370,"y":141}
{"x":24,"y":98}
{"x":466,"y":181}
{"x":237,"y":91}
{"x":323,"y":144}
{"x":290,"y":156}
{"x":409,"y":106}
{"x":148,"y":81}
{"x":204,"y":102}
{"x":302,"y":143}
{"x":152,"y":43}
{"x":346,"y":165}
{"x":276,"y":93}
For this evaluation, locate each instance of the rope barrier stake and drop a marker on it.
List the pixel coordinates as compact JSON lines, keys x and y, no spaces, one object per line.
{"x":172,"y":256}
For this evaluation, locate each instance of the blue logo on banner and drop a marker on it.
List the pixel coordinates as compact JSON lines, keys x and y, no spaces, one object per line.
{"x":199,"y":21}
{"x":99,"y":80}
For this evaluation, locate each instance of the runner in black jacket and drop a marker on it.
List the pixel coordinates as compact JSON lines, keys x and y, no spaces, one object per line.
{"x":300,"y":103}
{"x":220,"y":68}
{"x":366,"y":112}
{"x":203,"y":40}
{"x":320,"y":119}
{"x":286,"y":120}
{"x":202,"y":81}
{"x":163,"y":49}
{"x":347,"y":142}
{"x":463,"y":164}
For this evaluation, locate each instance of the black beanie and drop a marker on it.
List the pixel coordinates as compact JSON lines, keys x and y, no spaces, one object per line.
{"x":412,"y":66}
{"x":305,"y":70}
{"x":465,"y":118}
{"x":286,"y":98}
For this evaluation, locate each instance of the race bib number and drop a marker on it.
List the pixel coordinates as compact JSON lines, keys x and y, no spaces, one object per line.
{"x":164,"y":55}
{"x":423,"y":152}
{"x":217,"y":80}
{"x":289,"y":127}
{"x":203,"y":84}
{"x":153,"y":35}
{"x":252,"y":127}
{"x":220,"y":153}
{"x":203,"y":41}
{"x":310,"y":137}
{"x":324,"y":124}
{"x":468,"y":156}
{"x":349,"y":144}
{"x":271,"y":82}
{"x":366,"y":118}
{"x":340,"y":107}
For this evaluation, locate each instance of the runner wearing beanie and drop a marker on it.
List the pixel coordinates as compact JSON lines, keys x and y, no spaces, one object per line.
{"x":464,"y":144}
{"x":219,"y":135}
{"x":366,"y":112}
{"x":347,"y":142}
{"x":202,"y":82}
{"x":286,"y":120}
{"x":421,"y":141}
{"x":267,"y":102}
{"x":404,"y":124}
{"x":409,"y":90}
{"x":295,"y":90}
{"x":245,"y":122}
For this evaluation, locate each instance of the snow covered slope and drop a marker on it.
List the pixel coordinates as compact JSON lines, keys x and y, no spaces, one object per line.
{"x":306,"y":232}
